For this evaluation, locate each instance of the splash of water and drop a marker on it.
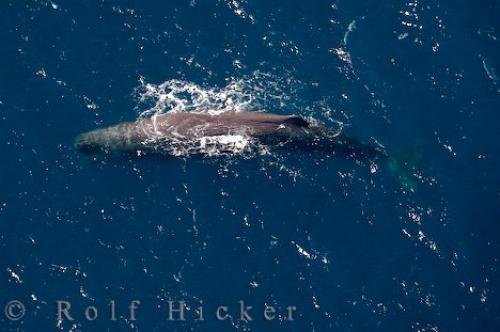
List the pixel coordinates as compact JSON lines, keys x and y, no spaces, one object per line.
{"x":256,"y":92}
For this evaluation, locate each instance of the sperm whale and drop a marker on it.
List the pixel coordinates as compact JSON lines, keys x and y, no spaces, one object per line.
{"x":193,"y":131}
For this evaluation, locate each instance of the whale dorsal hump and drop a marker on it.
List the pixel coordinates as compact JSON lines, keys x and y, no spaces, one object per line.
{"x":297,"y":121}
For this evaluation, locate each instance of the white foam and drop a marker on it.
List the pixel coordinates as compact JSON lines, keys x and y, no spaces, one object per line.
{"x":257,"y":91}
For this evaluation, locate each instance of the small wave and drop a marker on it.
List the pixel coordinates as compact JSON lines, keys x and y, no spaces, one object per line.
{"x":490,"y":70}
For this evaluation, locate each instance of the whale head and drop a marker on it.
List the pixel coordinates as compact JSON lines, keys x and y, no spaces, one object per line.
{"x":89,"y":143}
{"x":119,"y":138}
{"x":96,"y":141}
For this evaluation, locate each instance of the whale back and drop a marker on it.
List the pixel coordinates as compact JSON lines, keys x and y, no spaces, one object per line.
{"x":192,"y":131}
{"x":194,"y":125}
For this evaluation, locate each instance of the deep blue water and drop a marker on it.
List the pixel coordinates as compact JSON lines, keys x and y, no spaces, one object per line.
{"x":409,"y":244}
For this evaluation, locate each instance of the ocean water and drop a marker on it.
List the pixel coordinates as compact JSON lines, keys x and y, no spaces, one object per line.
{"x":408,"y":243}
